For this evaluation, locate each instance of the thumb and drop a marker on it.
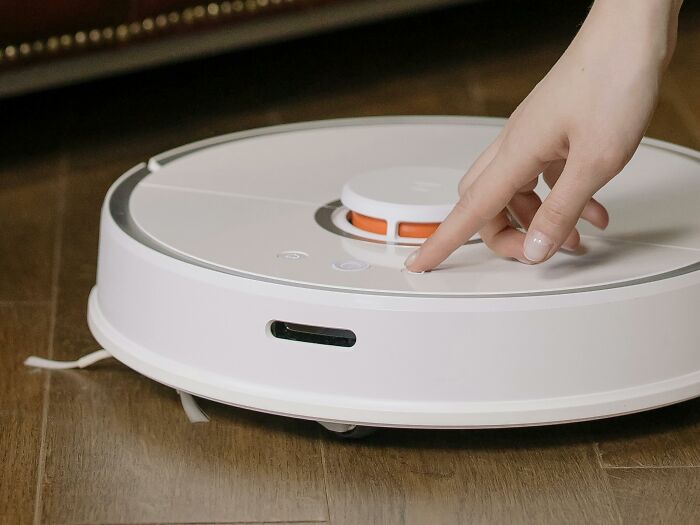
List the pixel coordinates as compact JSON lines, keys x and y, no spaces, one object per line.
{"x":559,"y":213}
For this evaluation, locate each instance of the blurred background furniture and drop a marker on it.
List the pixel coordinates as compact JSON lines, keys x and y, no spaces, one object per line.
{"x":46,"y":44}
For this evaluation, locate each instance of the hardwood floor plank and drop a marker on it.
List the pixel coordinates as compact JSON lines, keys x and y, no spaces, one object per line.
{"x":415,"y":95}
{"x":246,"y":523}
{"x":667,"y":437}
{"x":19,"y":454}
{"x":658,"y":495}
{"x":546,"y":475}
{"x":668,"y":123}
{"x":120,"y":450}
{"x":29,"y":195}
{"x":506,"y":78}
{"x":685,"y":69}
{"x":23,"y":331}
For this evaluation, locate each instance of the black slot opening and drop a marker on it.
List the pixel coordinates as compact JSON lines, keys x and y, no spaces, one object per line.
{"x":312,"y":334}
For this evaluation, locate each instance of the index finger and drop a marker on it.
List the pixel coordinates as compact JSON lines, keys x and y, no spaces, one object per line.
{"x":480,"y":202}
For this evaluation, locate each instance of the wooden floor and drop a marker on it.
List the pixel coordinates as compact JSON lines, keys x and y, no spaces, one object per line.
{"x":108,"y":446}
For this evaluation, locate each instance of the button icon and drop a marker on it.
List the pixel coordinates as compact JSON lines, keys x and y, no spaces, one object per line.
{"x":292,"y":255}
{"x":351,"y":265}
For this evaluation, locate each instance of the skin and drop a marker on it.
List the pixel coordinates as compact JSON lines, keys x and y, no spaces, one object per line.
{"x":577,"y":128}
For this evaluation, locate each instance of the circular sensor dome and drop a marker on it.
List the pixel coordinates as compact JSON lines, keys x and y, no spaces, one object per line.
{"x":403,"y":201}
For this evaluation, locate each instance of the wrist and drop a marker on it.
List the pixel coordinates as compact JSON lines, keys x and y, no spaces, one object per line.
{"x":649,"y":26}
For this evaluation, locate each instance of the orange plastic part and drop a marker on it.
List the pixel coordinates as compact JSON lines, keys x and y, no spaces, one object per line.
{"x":414,"y":230}
{"x":417,"y":230}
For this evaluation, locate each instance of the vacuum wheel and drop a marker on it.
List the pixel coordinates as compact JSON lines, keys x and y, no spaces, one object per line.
{"x":347,"y":431}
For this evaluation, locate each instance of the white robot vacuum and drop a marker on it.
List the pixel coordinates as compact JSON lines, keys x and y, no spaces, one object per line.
{"x":264,"y":269}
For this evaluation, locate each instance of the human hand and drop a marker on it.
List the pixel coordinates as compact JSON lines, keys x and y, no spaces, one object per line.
{"x":578,"y":128}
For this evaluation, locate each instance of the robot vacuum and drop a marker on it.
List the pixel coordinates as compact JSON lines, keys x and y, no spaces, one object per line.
{"x":264,"y":269}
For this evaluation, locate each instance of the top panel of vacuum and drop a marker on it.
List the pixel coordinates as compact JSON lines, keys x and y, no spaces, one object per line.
{"x":341,"y":204}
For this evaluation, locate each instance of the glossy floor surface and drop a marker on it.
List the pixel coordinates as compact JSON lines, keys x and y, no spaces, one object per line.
{"x":108,"y":446}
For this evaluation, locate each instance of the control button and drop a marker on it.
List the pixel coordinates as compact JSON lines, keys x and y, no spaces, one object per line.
{"x":292,"y":255}
{"x":351,"y":265}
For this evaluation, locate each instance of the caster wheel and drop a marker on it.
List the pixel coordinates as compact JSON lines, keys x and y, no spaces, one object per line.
{"x":345,"y":431}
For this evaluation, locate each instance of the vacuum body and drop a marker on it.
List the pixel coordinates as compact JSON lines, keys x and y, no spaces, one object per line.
{"x":264,"y":269}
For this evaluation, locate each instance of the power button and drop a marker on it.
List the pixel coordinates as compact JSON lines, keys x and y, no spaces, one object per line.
{"x":350,"y":265}
{"x":292,"y":255}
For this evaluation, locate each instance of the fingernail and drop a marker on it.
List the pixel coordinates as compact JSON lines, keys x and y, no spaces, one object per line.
{"x":410,"y":259}
{"x":537,"y":246}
